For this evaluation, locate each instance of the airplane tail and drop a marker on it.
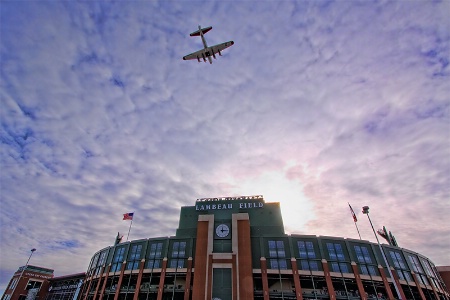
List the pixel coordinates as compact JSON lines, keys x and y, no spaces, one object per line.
{"x":203,"y":30}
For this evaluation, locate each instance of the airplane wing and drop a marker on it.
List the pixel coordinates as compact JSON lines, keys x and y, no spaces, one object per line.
{"x":210,"y":51}
{"x":219,"y":47}
{"x":196,"y":55}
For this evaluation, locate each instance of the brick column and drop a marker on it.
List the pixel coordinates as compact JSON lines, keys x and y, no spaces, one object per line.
{"x":419,"y":288}
{"x":105,"y":281}
{"x":139,"y":279}
{"x":326,"y":271}
{"x":187,"y":288}
{"x":210,"y":274}
{"x":161,"y":279}
{"x":202,"y":248}
{"x":234,"y":275}
{"x":264,"y":279}
{"x":397,"y":282}
{"x":87,"y":290}
{"x":298,"y":288}
{"x":119,"y":283}
{"x":362,"y":292}
{"x":244,"y":257}
{"x":387,"y":287}
{"x":432,"y":286}
{"x":98,"y":283}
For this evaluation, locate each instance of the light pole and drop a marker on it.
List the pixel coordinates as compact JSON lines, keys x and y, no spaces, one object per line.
{"x":21,"y":273}
{"x":365,"y":210}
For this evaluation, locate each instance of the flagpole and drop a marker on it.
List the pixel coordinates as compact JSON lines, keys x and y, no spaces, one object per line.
{"x":129,"y":229}
{"x":358,"y":231}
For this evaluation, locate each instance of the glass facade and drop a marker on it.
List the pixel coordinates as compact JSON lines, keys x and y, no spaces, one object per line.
{"x":277,"y":255}
{"x":337,"y":258}
{"x":118,"y":259}
{"x":400,"y":266}
{"x":308,"y":256}
{"x":417,"y":268}
{"x":178,"y":255}
{"x":366,"y":263}
{"x":134,"y":257}
{"x":155,"y":256}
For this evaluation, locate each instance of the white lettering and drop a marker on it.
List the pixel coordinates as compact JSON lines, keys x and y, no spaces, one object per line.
{"x":37,"y":275}
{"x":247,"y":205}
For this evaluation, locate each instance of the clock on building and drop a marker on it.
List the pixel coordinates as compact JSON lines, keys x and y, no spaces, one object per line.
{"x":222,"y":230}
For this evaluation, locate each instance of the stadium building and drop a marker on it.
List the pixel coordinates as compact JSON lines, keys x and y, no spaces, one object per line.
{"x":236,"y":248}
{"x":28,"y":282}
{"x":66,"y":287}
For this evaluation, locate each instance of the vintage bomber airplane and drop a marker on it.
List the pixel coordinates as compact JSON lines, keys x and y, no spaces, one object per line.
{"x":207,"y":52}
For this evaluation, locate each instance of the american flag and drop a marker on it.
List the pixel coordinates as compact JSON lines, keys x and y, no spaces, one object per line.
{"x":353,"y":213}
{"x":128,"y":216}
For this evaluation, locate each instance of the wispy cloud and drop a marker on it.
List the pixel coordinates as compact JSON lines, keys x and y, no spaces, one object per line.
{"x":334,"y":101}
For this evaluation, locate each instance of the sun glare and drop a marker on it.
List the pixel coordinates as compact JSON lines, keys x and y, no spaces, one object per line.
{"x":276,"y":187}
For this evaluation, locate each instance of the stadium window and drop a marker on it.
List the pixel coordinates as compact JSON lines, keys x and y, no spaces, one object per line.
{"x":276,"y":250}
{"x":418,"y":269}
{"x":364,"y":259}
{"x":154,"y":261}
{"x":133,"y":265}
{"x":136,"y":252}
{"x":306,"y":251}
{"x":33,"y":284}
{"x":178,"y":254}
{"x":397,"y":259}
{"x":336,"y":254}
{"x":101,"y":262}
{"x":335,"y":251}
{"x":309,"y":265}
{"x":134,"y":258}
{"x":14,"y":283}
{"x":400,"y":266}
{"x":117,"y":259}
{"x":94,"y":261}
{"x":362,"y":253}
{"x":339,"y":267}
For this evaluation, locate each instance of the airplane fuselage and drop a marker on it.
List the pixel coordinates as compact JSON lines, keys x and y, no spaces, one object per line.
{"x":204,"y":43}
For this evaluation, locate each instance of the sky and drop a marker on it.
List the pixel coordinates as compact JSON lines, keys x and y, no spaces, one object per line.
{"x":317,"y":104}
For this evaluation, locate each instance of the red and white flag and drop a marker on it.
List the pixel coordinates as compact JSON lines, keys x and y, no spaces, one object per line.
{"x":128,"y":216}
{"x":353,"y":213}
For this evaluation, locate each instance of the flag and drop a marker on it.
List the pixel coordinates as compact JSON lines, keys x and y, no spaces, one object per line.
{"x":128,"y":216}
{"x":353,"y":213}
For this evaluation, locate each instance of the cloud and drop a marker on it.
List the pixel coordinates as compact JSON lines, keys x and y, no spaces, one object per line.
{"x":316,"y":105}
